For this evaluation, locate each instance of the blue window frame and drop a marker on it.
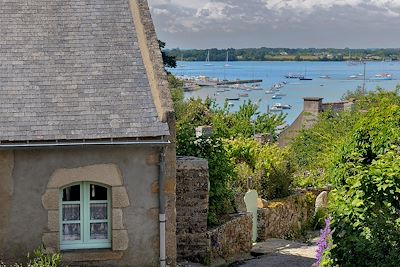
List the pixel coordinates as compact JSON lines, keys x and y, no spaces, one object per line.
{"x":85,"y":212}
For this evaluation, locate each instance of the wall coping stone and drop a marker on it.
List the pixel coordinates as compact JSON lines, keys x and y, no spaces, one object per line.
{"x":192,"y":163}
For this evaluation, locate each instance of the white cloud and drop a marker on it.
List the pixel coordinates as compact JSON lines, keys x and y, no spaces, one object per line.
{"x":213,"y":11}
{"x":160,"y":11}
{"x":390,"y":6}
{"x":293,"y":23}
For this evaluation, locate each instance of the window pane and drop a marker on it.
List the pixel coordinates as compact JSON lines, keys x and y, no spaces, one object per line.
{"x":71,"y":212}
{"x":71,"y":231}
{"x":98,"y":192}
{"x":98,"y":211}
{"x":99,"y":231}
{"x":72,"y":193}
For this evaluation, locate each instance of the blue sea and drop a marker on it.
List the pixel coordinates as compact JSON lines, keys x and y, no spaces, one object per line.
{"x":343,"y":77}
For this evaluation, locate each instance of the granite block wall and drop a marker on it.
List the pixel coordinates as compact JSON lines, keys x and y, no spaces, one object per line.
{"x":285,"y":217}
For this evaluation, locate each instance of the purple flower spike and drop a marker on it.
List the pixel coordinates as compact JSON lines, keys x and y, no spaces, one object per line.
{"x":323,"y":242}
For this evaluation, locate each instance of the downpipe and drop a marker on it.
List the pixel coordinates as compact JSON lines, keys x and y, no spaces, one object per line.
{"x":162,"y":217}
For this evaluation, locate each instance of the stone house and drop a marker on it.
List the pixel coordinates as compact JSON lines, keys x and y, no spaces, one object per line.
{"x":87,"y":134}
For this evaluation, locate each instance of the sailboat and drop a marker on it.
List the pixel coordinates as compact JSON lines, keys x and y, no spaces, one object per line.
{"x":182,"y":65}
{"x":208,"y":60}
{"x":304,"y":78}
{"x":227,"y":60}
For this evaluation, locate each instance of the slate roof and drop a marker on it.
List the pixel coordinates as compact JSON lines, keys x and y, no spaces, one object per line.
{"x":72,"y":69}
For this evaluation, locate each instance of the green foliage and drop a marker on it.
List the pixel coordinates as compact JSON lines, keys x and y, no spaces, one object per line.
{"x":169,"y":60}
{"x":268,"y":167}
{"x":313,"y":149}
{"x":357,"y":94}
{"x":318,"y":221}
{"x":40,"y":259}
{"x":177,"y":94}
{"x":196,"y":112}
{"x":221,"y":172}
{"x":365,"y":203}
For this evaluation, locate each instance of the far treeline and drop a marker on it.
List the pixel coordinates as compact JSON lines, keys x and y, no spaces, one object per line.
{"x":285,"y":54}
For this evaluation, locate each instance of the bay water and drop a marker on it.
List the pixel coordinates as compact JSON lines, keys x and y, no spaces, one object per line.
{"x":342,"y":77}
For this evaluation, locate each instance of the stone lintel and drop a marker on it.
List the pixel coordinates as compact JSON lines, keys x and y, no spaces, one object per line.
{"x":108,"y":174}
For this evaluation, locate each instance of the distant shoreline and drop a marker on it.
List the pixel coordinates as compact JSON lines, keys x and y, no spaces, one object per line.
{"x":289,"y":60}
{"x":285,"y":54}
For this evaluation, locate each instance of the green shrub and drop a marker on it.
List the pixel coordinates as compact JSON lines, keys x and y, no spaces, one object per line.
{"x":365,"y":202}
{"x":268,"y":166}
{"x":40,"y":259}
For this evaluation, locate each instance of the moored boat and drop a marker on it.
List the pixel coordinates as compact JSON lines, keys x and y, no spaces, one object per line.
{"x":382,"y":76}
{"x":294,"y":76}
{"x":281,"y":106}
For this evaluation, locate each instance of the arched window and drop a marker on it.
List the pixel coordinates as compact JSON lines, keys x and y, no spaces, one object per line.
{"x":85,"y":212}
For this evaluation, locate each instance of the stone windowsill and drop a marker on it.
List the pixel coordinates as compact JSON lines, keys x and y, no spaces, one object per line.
{"x":91,"y":255}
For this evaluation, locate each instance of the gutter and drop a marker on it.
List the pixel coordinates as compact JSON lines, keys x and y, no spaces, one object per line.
{"x":83,"y":144}
{"x":162,"y":217}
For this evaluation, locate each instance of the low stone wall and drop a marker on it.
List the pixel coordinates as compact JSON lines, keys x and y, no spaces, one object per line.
{"x":192,"y":208}
{"x":194,"y":241}
{"x":285,"y":217}
{"x":231,"y":239}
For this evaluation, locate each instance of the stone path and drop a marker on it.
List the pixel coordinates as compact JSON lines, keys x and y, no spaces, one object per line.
{"x":276,"y":253}
{"x":279,"y":252}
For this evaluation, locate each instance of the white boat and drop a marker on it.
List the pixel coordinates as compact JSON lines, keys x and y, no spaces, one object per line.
{"x":382,"y":76}
{"x":276,"y":97}
{"x":281,"y":106}
{"x":273,"y":108}
{"x":270,"y":92}
{"x":227,"y":60}
{"x":208,"y":60}
{"x":277,"y":86}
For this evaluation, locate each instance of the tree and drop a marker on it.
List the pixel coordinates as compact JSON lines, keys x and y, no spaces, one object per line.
{"x":169,"y":61}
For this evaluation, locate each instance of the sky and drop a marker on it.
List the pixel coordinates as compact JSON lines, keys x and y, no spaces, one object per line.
{"x":277,"y":23}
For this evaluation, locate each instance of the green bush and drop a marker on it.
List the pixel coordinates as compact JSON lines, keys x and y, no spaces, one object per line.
{"x":40,"y":259}
{"x":268,"y":167}
{"x":314,"y":149}
{"x":365,"y":203}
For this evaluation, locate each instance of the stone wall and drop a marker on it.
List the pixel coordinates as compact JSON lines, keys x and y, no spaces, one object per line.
{"x":194,"y":241}
{"x":231,"y":239}
{"x":285,"y":217}
{"x":192,"y":208}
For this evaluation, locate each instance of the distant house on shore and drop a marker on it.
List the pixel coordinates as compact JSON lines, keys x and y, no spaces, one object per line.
{"x":308,"y":117}
{"x":87,"y":134}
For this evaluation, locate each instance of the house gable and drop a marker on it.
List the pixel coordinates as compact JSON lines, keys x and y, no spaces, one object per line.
{"x":74,"y":70}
